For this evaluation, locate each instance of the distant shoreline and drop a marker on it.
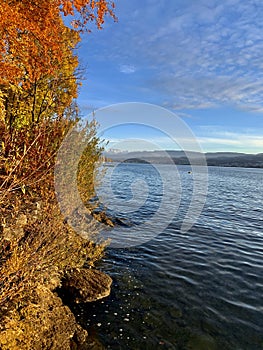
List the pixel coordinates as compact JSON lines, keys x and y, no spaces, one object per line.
{"x":221,"y":159}
{"x":131,"y":161}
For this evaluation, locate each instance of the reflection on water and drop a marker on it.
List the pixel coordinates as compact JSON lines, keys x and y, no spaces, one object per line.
{"x":199,"y":290}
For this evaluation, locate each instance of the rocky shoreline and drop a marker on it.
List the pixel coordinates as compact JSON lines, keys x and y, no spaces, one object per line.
{"x":36,"y":316}
{"x":48,"y":322}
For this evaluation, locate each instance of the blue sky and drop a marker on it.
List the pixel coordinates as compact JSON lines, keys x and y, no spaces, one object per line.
{"x":200,"y":59}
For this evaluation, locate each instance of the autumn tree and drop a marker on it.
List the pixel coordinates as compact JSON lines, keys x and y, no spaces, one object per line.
{"x":36,"y":46}
{"x":38,"y":87}
{"x":38,"y":79}
{"x":32,"y":33}
{"x":47,"y":94}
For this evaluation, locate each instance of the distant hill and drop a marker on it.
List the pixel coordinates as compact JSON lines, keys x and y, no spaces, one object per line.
{"x":224,"y":154}
{"x":225,"y":159}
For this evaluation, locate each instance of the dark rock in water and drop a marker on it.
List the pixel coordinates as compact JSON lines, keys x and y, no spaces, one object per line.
{"x":101,"y":214}
{"x":122,"y":222}
{"x":111,"y":221}
{"x":86,"y":285}
{"x":102,"y":217}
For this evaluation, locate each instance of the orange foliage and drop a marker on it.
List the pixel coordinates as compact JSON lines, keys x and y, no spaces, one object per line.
{"x":32,"y":32}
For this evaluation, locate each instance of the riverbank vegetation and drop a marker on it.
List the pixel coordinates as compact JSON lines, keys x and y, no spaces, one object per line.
{"x":39,"y":84}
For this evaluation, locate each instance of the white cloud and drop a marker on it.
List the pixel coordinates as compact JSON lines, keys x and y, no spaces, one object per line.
{"x":127,"y":69}
{"x":211,"y":55}
{"x":193,"y":54}
{"x":226,"y":142}
{"x":236,"y":141}
{"x":205,"y":141}
{"x":199,"y":53}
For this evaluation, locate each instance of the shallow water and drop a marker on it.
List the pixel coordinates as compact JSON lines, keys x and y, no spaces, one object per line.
{"x":197,"y":290}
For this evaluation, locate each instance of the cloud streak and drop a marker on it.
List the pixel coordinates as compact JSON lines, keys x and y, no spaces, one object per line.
{"x":194,"y":54}
{"x":243,"y":141}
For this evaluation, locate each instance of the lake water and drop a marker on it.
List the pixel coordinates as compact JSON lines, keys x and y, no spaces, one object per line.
{"x":202,"y":289}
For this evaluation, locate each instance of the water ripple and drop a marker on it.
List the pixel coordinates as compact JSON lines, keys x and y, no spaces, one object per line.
{"x":201,"y":287}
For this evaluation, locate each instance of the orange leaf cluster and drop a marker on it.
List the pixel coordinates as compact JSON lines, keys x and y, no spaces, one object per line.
{"x":88,"y":10}
{"x":32,"y":34}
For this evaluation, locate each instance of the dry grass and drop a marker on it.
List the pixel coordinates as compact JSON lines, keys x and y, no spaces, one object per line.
{"x":40,"y":251}
{"x":37,"y":246}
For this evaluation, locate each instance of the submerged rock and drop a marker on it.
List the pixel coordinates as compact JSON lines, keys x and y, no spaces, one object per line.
{"x":202,"y":342}
{"x":123,"y":222}
{"x":87,"y":285}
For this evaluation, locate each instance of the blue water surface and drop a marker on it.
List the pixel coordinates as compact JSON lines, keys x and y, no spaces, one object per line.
{"x":202,"y":289}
